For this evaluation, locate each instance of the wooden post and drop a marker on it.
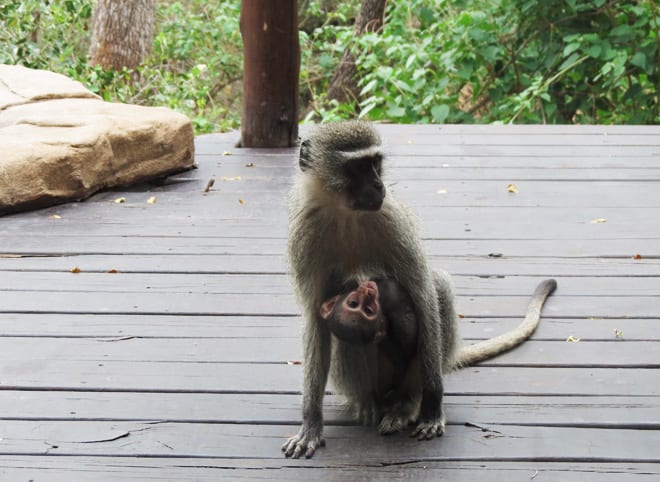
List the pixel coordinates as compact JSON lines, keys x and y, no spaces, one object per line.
{"x":271,"y":64}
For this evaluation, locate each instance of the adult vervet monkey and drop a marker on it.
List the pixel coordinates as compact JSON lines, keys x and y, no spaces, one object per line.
{"x":343,"y":226}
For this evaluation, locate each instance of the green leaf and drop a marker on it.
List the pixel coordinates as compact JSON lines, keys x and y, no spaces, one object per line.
{"x":325,"y":60}
{"x":570,"y":60}
{"x":440,"y":113}
{"x":411,"y":60}
{"x":570,"y":48}
{"x":369,"y":87}
{"x":622,"y":30}
{"x":639,"y":60}
{"x":594,"y":51}
{"x":396,"y":111}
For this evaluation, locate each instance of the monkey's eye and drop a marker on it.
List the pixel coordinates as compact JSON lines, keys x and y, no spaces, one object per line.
{"x":368,"y":310}
{"x":353,"y":303}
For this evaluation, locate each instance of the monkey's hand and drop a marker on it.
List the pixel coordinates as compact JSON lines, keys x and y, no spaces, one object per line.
{"x":426,"y":430}
{"x":306,"y":440}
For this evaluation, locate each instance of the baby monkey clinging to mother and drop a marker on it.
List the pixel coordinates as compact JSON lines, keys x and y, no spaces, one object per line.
{"x":344,"y":228}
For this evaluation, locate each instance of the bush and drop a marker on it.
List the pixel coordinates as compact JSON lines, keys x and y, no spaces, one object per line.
{"x":569,"y":61}
{"x":195,"y":66}
{"x":566,"y":61}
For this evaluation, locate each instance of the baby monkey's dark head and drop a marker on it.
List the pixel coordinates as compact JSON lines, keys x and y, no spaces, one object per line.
{"x":345,"y":157}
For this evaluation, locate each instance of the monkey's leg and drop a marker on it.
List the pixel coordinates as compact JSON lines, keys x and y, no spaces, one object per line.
{"x":431,"y":414}
{"x":435,"y":343}
{"x":400,"y":404}
{"x":317,"y":365}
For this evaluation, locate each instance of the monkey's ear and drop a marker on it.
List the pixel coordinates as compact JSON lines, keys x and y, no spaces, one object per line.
{"x":328,"y":307}
{"x":305,"y":155}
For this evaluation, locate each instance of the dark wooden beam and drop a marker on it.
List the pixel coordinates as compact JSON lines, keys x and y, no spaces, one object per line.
{"x":271,"y":66}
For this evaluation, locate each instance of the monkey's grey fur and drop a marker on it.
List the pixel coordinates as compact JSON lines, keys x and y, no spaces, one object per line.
{"x":329,"y":243}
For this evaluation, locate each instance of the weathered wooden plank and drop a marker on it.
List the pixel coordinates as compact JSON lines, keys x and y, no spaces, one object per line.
{"x":590,"y":147}
{"x":65,"y":469}
{"x":344,"y":444}
{"x":402,"y":168}
{"x":539,"y":139}
{"x":284,"y":409}
{"x":207,"y":218}
{"x":469,"y":223}
{"x":420,"y":192}
{"x":512,"y":130}
{"x":465,"y":247}
{"x":528,"y":151}
{"x":211,"y":163}
{"x":412,"y":135}
{"x":278,"y":284}
{"x":109,"y":239}
{"x":264,"y":349}
{"x":515,"y":130}
{"x":50,"y":325}
{"x":283,"y":378}
{"x":274,"y":264}
{"x":251,"y":304}
{"x":508,"y":175}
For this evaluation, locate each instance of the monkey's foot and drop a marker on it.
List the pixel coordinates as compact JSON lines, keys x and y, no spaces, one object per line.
{"x":305,"y":441}
{"x":392,"y":422}
{"x":429,"y":429}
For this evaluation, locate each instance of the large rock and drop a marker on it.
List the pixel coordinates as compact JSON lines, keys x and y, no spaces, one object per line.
{"x":60,"y":142}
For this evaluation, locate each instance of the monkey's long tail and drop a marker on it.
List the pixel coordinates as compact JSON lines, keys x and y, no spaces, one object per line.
{"x":469,"y":355}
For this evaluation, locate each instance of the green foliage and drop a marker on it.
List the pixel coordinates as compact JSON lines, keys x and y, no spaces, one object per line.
{"x":567,"y":61}
{"x":195,"y":66}
{"x":564,"y":61}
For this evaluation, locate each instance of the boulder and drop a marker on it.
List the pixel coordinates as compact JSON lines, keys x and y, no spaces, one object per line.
{"x":60,"y":142}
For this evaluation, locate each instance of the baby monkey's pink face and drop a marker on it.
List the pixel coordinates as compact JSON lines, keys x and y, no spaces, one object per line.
{"x":356,"y":316}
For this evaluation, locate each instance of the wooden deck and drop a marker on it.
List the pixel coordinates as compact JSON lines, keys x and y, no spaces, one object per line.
{"x":179,"y":365}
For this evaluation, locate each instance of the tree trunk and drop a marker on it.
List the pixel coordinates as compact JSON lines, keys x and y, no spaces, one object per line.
{"x":271,"y":65}
{"x":343,"y":86}
{"x":122,"y":33}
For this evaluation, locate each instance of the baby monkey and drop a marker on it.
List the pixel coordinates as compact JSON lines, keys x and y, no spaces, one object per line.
{"x":375,"y":318}
{"x":373,"y":311}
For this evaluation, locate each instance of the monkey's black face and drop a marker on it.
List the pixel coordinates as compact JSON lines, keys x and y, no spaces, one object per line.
{"x":365,"y":190}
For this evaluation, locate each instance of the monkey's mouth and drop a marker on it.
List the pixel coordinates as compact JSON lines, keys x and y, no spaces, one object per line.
{"x":367,"y":203}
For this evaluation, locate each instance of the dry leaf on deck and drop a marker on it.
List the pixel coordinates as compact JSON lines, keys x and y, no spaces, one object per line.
{"x":113,"y":271}
{"x":151,"y":200}
{"x":572,"y":339}
{"x":250,"y":164}
{"x":241,"y":202}
{"x":235,"y":178}
{"x":618,"y":333}
{"x":55,"y":216}
{"x":226,"y":153}
{"x":637,"y":256}
{"x":512,"y":188}
{"x":119,"y":200}
{"x":294,"y":362}
{"x":75,"y":270}
{"x":599,"y":221}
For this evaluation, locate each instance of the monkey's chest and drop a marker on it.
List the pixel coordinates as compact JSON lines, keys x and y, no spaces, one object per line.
{"x":354,"y":245}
